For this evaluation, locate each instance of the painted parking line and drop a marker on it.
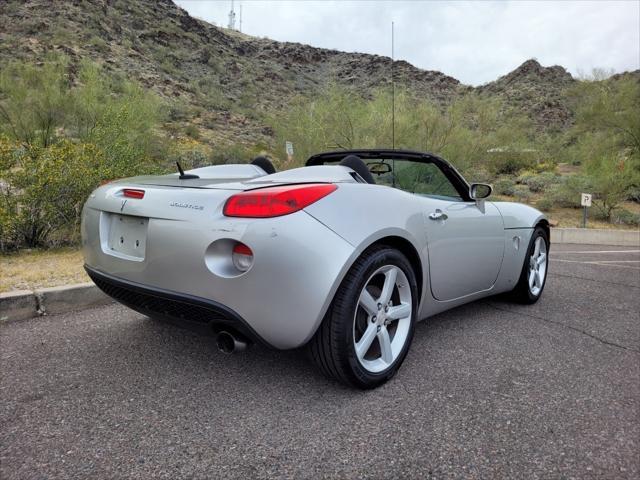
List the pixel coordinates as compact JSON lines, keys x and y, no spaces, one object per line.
{"x":617,"y":261}
{"x":598,"y":251}
{"x":601,"y":262}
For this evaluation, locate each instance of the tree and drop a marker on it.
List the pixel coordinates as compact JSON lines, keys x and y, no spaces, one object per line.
{"x":606,"y":139}
{"x":59,"y":139}
{"x":34,"y":101}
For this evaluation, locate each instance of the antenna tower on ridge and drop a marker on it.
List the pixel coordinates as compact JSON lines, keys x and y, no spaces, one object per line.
{"x":232,"y":18}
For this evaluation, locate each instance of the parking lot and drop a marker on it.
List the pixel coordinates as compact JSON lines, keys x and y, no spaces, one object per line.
{"x":491,"y":389}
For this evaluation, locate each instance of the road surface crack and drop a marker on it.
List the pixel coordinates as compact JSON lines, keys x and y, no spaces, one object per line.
{"x":560,"y":324}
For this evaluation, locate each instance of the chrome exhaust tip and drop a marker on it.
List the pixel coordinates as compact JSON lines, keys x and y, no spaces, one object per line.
{"x":229,"y":343}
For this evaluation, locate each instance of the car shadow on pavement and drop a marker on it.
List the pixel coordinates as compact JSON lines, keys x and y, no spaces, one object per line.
{"x":172,"y":347}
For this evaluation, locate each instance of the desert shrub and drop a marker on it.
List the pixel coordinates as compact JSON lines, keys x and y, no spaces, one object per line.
{"x":480,"y":175}
{"x":625,"y":217}
{"x":237,"y":153}
{"x":545,"y":204}
{"x":634,"y":193}
{"x":189,"y":152}
{"x":567,"y":193}
{"x":540,"y":182}
{"x":43,"y":189}
{"x":98,"y":43}
{"x":505,"y":186}
{"x":521,"y":192}
{"x":508,"y":161}
{"x":525,"y":176}
{"x":192,"y":131}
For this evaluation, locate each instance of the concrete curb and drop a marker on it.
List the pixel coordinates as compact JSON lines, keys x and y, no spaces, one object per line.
{"x":593,"y":236}
{"x":24,"y":304}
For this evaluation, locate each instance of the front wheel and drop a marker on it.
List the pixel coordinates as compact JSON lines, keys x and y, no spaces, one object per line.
{"x":368,"y":329}
{"x":534,"y":271}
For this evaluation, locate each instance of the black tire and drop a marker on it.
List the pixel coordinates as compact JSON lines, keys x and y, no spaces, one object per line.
{"x":332,"y":347}
{"x":522,"y":293}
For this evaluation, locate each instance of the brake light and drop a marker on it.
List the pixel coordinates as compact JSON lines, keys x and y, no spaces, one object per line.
{"x":133,"y":193}
{"x":276,"y":201}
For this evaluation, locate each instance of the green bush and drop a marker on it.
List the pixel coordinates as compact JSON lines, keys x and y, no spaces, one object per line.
{"x":44,"y":188}
{"x":521,"y":192}
{"x":509,"y":161}
{"x":58,"y":142}
{"x":525,"y":176}
{"x":540,"y":182}
{"x":505,"y":186}
{"x":480,"y":175}
{"x":625,"y":217}
{"x":192,"y":131}
{"x":545,"y":204}
{"x":568,"y":192}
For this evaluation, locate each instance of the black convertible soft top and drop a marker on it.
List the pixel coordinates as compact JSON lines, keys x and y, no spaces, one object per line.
{"x":452,"y":174}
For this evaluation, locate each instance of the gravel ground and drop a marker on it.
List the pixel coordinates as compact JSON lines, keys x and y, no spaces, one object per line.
{"x":491,"y":389}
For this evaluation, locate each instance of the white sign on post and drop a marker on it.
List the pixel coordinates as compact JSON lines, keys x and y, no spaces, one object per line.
{"x":585,"y":200}
{"x":288,"y":146}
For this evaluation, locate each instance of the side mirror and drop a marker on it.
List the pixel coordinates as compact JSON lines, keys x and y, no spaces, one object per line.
{"x":479,"y":191}
{"x":379,"y":168}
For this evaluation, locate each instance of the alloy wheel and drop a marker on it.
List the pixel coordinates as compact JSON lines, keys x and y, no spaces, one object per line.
{"x":382,"y":319}
{"x":538,"y":266}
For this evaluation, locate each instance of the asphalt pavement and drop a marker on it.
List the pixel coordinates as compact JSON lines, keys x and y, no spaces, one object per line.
{"x":489,"y":390}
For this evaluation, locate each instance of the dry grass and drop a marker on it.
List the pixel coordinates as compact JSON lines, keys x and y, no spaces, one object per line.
{"x":29,"y":269}
{"x":572,"y":217}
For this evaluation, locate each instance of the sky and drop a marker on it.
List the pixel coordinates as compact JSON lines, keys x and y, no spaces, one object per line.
{"x":473,"y":41}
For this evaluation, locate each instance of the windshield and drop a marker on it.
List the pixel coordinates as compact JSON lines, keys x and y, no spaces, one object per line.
{"x":415,"y":177}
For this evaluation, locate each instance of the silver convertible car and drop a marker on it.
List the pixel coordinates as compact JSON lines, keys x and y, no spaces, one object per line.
{"x":342,"y":256}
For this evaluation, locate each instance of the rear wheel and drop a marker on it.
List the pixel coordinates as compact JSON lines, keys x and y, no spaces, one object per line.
{"x":368,"y":329}
{"x":534,"y":271}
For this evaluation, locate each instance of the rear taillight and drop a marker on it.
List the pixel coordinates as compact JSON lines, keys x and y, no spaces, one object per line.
{"x":276,"y":201}
{"x":133,"y":193}
{"x":242,"y":257}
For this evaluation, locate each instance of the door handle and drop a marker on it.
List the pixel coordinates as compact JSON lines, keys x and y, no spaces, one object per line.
{"x":438,"y":215}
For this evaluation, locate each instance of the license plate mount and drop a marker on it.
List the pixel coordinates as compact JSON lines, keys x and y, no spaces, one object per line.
{"x":127,"y":236}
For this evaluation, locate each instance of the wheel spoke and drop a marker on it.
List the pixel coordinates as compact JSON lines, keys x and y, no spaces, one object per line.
{"x":367,"y":302}
{"x":538,"y":279}
{"x":363,"y":345}
{"x":385,"y":345}
{"x":532,"y":278}
{"x":389,"y":284}
{"x":399,"y":311}
{"x":541,"y":258}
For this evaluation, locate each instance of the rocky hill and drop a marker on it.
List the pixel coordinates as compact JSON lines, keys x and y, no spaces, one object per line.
{"x":539,"y":91}
{"x":226,"y":82}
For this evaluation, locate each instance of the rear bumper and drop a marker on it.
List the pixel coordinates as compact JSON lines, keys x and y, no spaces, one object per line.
{"x":298,"y":265}
{"x":182,"y":309}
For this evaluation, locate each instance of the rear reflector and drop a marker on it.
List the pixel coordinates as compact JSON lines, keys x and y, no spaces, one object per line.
{"x":242,"y":249}
{"x":133,"y":193}
{"x":276,"y":201}
{"x":242,"y":257}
